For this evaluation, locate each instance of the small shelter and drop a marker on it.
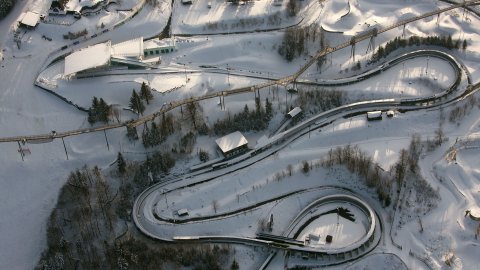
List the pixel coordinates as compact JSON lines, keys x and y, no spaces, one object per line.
{"x":232,"y":144}
{"x":296,"y":111}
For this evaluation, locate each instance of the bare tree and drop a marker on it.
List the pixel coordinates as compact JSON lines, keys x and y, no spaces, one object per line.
{"x":290,"y":169}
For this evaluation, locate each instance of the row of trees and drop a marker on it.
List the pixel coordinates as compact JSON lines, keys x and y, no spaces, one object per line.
{"x":247,"y":120}
{"x":398,"y":42}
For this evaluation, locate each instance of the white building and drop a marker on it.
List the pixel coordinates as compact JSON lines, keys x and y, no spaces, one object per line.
{"x":30,"y":19}
{"x":232,"y":144}
{"x":129,"y":53}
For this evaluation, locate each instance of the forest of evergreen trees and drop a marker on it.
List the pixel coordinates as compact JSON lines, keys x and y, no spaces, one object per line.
{"x":444,"y":41}
{"x":83,"y":228}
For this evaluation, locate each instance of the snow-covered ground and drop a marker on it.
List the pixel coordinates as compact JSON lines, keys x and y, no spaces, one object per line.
{"x":29,"y":188}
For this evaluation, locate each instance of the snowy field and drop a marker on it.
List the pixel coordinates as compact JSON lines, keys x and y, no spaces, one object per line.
{"x":30,"y":188}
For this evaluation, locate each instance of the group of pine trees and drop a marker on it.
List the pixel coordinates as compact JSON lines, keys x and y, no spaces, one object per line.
{"x":136,"y":100}
{"x":100,"y":111}
{"x":247,"y":120}
{"x":157,"y":133}
{"x":320,"y":100}
{"x":398,"y":42}
{"x":295,"y":41}
{"x":156,"y":165}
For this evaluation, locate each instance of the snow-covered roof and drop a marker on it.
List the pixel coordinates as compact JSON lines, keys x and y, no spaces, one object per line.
{"x":155,"y":43}
{"x":30,"y":18}
{"x":87,"y":58}
{"x":75,"y":5}
{"x":129,"y":48}
{"x":295,"y":112}
{"x":475,"y":213}
{"x":182,"y":212}
{"x":231,"y":141}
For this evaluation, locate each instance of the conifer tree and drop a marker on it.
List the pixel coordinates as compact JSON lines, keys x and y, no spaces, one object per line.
{"x":268,"y":109}
{"x":132,"y":133}
{"x":136,"y":103}
{"x":103,"y":111}
{"x":92,"y":112}
{"x":146,"y":93}
{"x":121,"y":165}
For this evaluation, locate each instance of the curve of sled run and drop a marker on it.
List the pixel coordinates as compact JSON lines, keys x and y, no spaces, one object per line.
{"x":232,"y":205}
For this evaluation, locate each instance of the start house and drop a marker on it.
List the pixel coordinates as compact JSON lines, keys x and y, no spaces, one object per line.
{"x":134,"y":53}
{"x":232,"y":144}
